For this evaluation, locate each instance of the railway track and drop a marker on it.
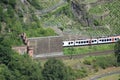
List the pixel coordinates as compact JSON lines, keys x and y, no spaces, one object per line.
{"x":79,"y":55}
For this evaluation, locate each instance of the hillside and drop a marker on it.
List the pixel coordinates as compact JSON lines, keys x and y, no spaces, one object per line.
{"x":58,"y":17}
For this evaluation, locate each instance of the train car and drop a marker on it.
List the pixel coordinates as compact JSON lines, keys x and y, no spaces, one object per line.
{"x":85,"y":42}
{"x":108,"y":39}
{"x":94,"y":41}
{"x":82,"y":42}
{"x":68,"y":43}
{"x":116,"y":38}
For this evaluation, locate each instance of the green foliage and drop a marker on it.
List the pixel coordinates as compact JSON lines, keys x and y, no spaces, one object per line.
{"x":56,"y":70}
{"x":17,"y":67}
{"x":81,"y":73}
{"x":26,"y":67}
{"x":96,"y":23}
{"x":5,"y":73}
{"x":9,"y":2}
{"x":87,"y":62}
{"x":5,"y":52}
{"x":101,"y":61}
{"x":117,"y":51}
{"x":12,"y":22}
{"x":87,"y":49}
{"x":35,"y":3}
{"x":65,"y":10}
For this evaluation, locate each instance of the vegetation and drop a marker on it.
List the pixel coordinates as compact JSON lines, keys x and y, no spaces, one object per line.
{"x":13,"y":22}
{"x":22,"y":67}
{"x":111,"y":77}
{"x":17,"y":67}
{"x":56,"y":70}
{"x":90,"y":65}
{"x":102,"y":61}
{"x":110,"y":17}
{"x":87,"y":49}
{"x":117,"y":51}
{"x":35,"y":4}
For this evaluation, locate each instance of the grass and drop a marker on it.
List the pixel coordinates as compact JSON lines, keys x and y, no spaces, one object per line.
{"x":88,"y":1}
{"x":48,"y":3}
{"x":111,"y":77}
{"x":87,"y":49}
{"x":112,"y":19}
{"x":111,"y":69}
{"x":78,"y":65}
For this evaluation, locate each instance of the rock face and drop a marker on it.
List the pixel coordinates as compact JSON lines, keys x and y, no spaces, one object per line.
{"x":80,"y":12}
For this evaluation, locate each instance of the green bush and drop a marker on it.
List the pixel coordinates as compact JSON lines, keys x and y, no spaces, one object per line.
{"x":88,"y":62}
{"x":35,"y":3}
{"x":105,"y":61}
{"x":55,"y":70}
{"x":81,"y":73}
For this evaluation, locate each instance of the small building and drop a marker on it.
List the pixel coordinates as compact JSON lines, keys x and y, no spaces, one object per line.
{"x":20,"y":49}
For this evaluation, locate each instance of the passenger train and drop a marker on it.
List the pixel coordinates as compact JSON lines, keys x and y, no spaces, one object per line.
{"x":84,"y":42}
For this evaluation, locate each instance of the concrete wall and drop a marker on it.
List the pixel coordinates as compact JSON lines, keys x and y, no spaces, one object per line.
{"x":46,"y":46}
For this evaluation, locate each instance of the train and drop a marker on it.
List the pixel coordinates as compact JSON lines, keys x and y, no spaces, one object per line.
{"x":92,"y":41}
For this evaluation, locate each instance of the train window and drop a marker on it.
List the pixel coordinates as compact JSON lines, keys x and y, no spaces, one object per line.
{"x":116,"y":39}
{"x":79,"y":42}
{"x":69,"y":43}
{"x":86,"y":41}
{"x":108,"y":39}
{"x":95,"y":40}
{"x":92,"y":41}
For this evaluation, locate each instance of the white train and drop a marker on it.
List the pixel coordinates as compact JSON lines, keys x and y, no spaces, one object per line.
{"x":91,"y":41}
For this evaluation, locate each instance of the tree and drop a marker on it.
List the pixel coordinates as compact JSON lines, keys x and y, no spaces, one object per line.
{"x":5,"y":52}
{"x":55,"y":70}
{"x":117,"y":51}
{"x":5,"y":73}
{"x":24,"y":68}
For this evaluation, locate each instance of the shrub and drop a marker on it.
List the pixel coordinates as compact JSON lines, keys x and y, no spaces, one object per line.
{"x":81,"y":73}
{"x":88,"y":62}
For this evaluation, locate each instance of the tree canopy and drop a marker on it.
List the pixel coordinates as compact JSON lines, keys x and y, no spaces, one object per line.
{"x":17,"y":67}
{"x":56,"y":70}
